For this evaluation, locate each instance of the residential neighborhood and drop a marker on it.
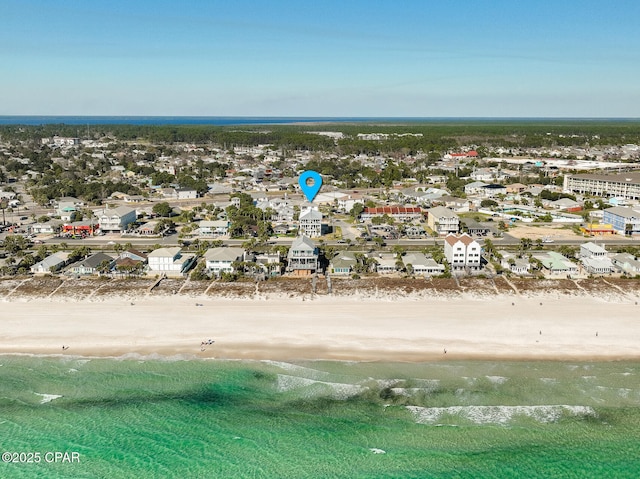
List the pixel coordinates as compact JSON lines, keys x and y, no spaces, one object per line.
{"x":208,"y":212}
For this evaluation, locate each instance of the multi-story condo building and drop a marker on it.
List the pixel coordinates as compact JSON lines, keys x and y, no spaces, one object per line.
{"x":625,"y":185}
{"x":623,"y":220}
{"x":462,"y":252}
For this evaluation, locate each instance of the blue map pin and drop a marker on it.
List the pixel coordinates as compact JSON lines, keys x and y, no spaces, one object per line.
{"x":310,"y":182}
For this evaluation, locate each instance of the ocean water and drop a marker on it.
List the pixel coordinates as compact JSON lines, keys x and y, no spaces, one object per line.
{"x":262,"y":120}
{"x":150,"y":418}
{"x":197,"y":120}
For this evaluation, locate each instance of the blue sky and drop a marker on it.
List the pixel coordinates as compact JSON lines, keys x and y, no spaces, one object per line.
{"x":526,"y":58}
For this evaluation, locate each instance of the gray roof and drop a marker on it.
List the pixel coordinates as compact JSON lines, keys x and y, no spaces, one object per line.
{"x":628,"y":178}
{"x":119,"y":211}
{"x":165,"y":252}
{"x":95,"y":260}
{"x":302,"y":243}
{"x":441,"y":211}
{"x":624,"y":212}
{"x":224,"y":254}
{"x":416,"y":258}
{"x":311,"y":214}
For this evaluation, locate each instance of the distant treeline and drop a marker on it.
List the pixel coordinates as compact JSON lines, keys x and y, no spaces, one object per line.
{"x":433,"y":136}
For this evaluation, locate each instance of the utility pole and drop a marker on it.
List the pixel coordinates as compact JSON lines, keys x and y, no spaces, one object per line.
{"x":3,"y":205}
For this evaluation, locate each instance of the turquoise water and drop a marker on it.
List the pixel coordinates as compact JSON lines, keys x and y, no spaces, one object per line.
{"x":236,"y":419}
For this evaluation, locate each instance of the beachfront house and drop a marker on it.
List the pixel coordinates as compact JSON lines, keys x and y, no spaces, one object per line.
{"x":556,"y":264}
{"x":95,"y":264}
{"x":626,"y":263}
{"x":270,"y":263}
{"x":221,"y":260}
{"x":170,"y":261}
{"x":422,"y":265}
{"x":343,"y":263}
{"x":462,"y":252}
{"x":385,"y":263}
{"x":303,"y":256}
{"x":130,"y":262}
{"x":517,"y":265}
{"x":594,"y":259}
{"x":50,"y":264}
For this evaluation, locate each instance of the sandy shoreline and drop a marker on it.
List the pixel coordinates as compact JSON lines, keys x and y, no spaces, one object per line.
{"x":343,"y":328}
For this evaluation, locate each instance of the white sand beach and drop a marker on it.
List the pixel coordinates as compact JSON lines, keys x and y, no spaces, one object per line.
{"x":345,"y":328}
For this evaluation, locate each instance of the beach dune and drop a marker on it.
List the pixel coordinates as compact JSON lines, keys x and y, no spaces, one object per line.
{"x":344,"y":328}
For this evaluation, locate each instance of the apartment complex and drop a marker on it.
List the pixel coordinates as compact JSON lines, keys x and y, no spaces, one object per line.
{"x":625,"y":185}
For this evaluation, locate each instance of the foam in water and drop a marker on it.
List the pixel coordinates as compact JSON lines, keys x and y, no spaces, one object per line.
{"x":318,"y":388}
{"x":498,"y":414}
{"x":48,"y":397}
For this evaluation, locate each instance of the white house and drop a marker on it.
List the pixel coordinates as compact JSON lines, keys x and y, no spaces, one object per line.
{"x":511,"y":262}
{"x":462,"y":252}
{"x":220,"y":260}
{"x":214,"y":228}
{"x":386,"y":263}
{"x":475,"y":188}
{"x":116,"y":219}
{"x":594,"y":259}
{"x":421,"y":264}
{"x":311,"y":223}
{"x":186,"y":193}
{"x":170,"y":261}
{"x":50,"y":264}
{"x":49,"y":227}
{"x":592,"y":250}
{"x":627,"y":263}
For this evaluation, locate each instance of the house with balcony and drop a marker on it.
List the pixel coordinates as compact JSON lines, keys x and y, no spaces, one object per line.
{"x":443,"y":221}
{"x":221,"y":260}
{"x":462,"y":252}
{"x":213,"y":229}
{"x":116,"y":220}
{"x":303,"y":256}
{"x":594,"y":259}
{"x":170,"y":261}
{"x":310,"y":223}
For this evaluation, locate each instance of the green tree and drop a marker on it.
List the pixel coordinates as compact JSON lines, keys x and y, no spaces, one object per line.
{"x":162,"y":209}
